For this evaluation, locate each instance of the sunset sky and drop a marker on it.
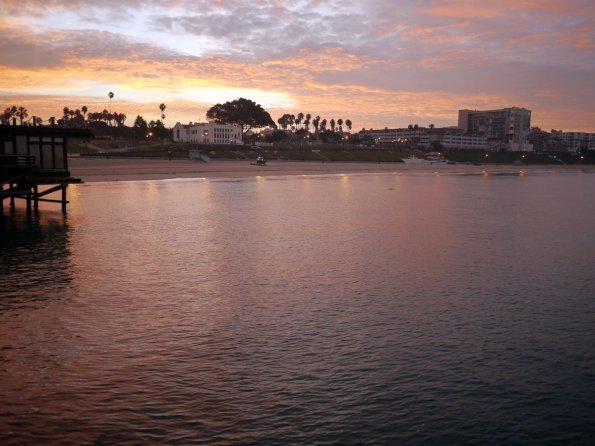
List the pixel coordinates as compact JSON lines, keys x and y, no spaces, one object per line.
{"x":380,"y":63}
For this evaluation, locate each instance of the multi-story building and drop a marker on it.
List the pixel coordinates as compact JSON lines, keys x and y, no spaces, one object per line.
{"x":574,"y":142}
{"x":207,"y":133}
{"x":448,"y":138}
{"x":463,"y":142}
{"x":506,"y":128}
{"x":417,"y":136}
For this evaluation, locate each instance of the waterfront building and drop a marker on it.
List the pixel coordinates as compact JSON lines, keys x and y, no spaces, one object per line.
{"x":574,"y":142}
{"x":461,"y":141}
{"x":505,"y":129}
{"x":207,"y":133}
{"x":448,"y":138}
{"x":416,"y":136}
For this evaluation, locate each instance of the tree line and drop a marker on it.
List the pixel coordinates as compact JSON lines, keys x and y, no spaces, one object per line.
{"x":242,"y":112}
{"x":301,"y":121}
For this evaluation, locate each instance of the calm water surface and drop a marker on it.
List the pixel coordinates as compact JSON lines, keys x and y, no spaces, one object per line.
{"x":356,"y":309}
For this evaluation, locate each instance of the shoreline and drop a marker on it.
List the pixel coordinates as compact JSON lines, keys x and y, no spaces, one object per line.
{"x":92,"y":170}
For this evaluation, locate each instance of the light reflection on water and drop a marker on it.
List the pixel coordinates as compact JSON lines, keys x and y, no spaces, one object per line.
{"x":347,"y":309}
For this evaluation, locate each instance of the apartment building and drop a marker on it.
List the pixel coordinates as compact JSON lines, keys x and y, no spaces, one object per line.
{"x":574,"y":142}
{"x":417,"y":136}
{"x":505,"y":129}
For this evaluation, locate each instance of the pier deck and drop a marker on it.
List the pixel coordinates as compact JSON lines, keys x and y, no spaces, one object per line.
{"x":31,"y":158}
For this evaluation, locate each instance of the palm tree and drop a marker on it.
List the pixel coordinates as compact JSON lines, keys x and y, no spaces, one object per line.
{"x":332,"y":123}
{"x":84,"y":109}
{"x":316,"y":122}
{"x":22,"y":114}
{"x":162,"y":107}
{"x":431,"y":126}
{"x":340,"y":124}
{"x":110,"y":95}
{"x":349,"y":124}
{"x":9,"y":114}
{"x":323,"y":125}
{"x":66,"y":112}
{"x":299,"y":118}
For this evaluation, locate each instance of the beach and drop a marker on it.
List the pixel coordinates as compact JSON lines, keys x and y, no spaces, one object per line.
{"x":93,"y":169}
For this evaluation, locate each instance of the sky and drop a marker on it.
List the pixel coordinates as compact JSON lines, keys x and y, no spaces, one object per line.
{"x":379,"y":63}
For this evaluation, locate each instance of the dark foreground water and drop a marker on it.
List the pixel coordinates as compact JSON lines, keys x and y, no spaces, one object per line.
{"x":358,"y":309}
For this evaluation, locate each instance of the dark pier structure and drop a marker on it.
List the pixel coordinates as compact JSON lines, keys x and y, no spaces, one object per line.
{"x":34,"y":164}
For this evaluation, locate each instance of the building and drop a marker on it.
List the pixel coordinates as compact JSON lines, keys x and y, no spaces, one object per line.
{"x":416,"y":136}
{"x":207,"y":133}
{"x":447,"y":138}
{"x":574,"y":142}
{"x":461,"y":141}
{"x":505,"y":129}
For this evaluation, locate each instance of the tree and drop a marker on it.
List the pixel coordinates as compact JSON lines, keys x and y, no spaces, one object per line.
{"x":332,"y":123}
{"x":349,"y":124}
{"x":9,"y":114}
{"x":284,"y":121}
{"x":298,"y":120}
{"x":162,"y":107}
{"x":242,"y":112}
{"x":22,"y":114}
{"x":140,"y":122}
{"x":340,"y":124}
{"x":316,"y":122}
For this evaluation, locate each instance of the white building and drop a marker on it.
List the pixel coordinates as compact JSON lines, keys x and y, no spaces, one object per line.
{"x":462,"y":141}
{"x":575,"y":142}
{"x":207,"y":133}
{"x":416,"y":136}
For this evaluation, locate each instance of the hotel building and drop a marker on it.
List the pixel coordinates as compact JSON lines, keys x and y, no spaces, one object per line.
{"x":505,"y":129}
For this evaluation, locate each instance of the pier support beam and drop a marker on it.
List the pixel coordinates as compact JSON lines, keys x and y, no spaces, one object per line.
{"x":35,"y":198}
{"x":11,"y":186}
{"x":28,"y":199}
{"x":64,"y":187}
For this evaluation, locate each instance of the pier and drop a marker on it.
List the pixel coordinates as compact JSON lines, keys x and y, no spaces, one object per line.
{"x":34,"y":164}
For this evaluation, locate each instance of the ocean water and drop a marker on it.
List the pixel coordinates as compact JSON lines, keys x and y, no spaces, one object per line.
{"x":320,"y":310}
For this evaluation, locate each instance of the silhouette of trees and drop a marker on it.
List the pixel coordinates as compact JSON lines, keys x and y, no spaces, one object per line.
{"x":316,"y":123}
{"x":285,"y":121}
{"x":242,"y":112}
{"x":22,"y":114}
{"x":9,"y":113}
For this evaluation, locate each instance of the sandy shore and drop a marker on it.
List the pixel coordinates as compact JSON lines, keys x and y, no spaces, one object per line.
{"x":102,"y":169}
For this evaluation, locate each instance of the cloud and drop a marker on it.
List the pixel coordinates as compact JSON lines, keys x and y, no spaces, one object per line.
{"x":363,"y":60}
